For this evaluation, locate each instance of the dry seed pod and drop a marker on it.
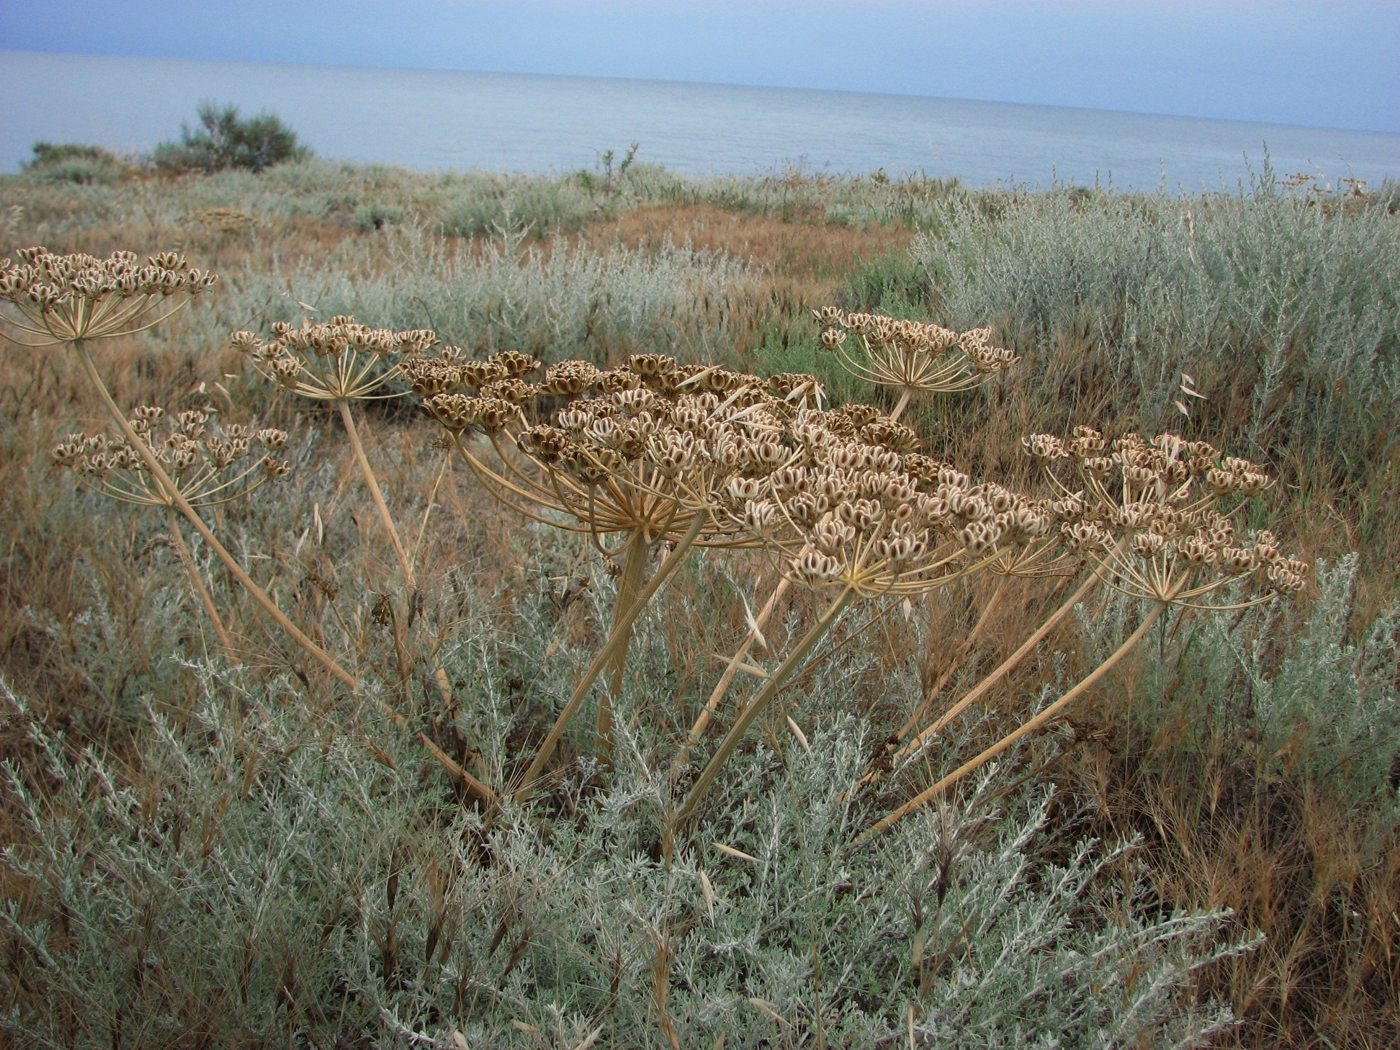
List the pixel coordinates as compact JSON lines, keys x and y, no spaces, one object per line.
{"x":1155,"y":516}
{"x":910,"y":356}
{"x":340,"y":360}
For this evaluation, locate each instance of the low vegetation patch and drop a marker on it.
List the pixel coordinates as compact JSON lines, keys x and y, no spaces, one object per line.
{"x":695,"y":616}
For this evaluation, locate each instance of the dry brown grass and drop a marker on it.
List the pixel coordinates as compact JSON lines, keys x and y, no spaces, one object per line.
{"x":1287,"y":857}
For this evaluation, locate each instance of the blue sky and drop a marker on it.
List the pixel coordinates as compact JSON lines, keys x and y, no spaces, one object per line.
{"x":1327,"y":63}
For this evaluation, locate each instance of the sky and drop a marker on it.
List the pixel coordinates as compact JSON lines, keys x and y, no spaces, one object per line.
{"x":1322,"y":63}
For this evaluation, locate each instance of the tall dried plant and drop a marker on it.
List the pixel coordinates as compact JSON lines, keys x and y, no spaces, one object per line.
{"x":1155,"y":519}
{"x":73,"y":300}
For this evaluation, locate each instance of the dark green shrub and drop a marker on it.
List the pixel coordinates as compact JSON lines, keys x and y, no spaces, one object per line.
{"x":226,"y":140}
{"x":74,"y":162}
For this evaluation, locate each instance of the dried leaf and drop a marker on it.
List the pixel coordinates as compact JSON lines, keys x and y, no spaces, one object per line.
{"x":708,"y":892}
{"x":801,"y":736}
{"x":731,"y":851}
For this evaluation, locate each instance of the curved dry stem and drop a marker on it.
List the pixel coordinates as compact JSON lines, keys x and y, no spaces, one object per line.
{"x":731,"y":669}
{"x":180,"y":504}
{"x":197,"y":582}
{"x":933,"y":791}
{"x":372,"y":483}
{"x":756,"y":706}
{"x":996,"y":675}
{"x":605,"y":655}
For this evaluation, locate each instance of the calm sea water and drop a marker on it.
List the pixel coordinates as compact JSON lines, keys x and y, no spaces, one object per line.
{"x":435,"y":119}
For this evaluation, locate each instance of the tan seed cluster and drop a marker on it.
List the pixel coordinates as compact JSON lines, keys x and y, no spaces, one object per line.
{"x":1156,"y":514}
{"x":338,"y":360}
{"x":70,"y":298}
{"x":910,"y":355}
{"x":881,"y":521}
{"x":209,"y":463}
{"x":642,"y":449}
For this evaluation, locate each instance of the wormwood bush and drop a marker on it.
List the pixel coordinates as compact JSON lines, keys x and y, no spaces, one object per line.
{"x":539,"y":205}
{"x":1284,"y":314}
{"x":73,"y":162}
{"x":1316,"y":702}
{"x":552,"y":300}
{"x":1267,"y":746}
{"x":257,"y":877}
{"x":799,"y":194}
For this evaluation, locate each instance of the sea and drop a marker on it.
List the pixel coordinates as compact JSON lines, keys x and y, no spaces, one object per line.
{"x":441,"y":120}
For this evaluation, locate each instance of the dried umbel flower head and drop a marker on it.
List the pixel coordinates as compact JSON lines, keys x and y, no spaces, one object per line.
{"x":874,"y":521}
{"x":911,"y":356}
{"x":643,"y":450}
{"x":339,"y":360}
{"x":209,"y":463}
{"x":1156,"y":516}
{"x":73,"y":298}
{"x":628,"y":461}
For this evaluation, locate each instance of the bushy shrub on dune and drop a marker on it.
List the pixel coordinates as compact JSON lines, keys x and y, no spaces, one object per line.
{"x":226,"y":140}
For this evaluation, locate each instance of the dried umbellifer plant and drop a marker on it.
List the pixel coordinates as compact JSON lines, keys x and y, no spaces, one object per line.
{"x":657,"y":456}
{"x":209,"y":463}
{"x":911,"y":357}
{"x":338,"y":363}
{"x":867,"y":522}
{"x":636,"y":458}
{"x":1154,"y":518}
{"x":73,"y":300}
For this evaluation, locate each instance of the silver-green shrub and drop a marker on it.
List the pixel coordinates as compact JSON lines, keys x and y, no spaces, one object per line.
{"x":257,"y":876}
{"x":554,"y":300}
{"x":1266,"y":292}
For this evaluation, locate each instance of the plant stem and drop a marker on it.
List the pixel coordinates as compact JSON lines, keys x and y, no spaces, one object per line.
{"x":956,"y":660}
{"x":372,"y":483}
{"x":902,"y":403}
{"x":756,"y":706}
{"x":432,"y":502}
{"x":197,"y":582}
{"x":634,"y":567}
{"x":722,"y":686}
{"x":605,"y":655}
{"x":890,"y":819}
{"x":1001,"y":671}
{"x":179,"y":503}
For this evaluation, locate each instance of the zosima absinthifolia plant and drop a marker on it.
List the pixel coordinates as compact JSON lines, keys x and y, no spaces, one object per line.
{"x":74,"y":300}
{"x":1153,"y":519}
{"x":210,"y":464}
{"x":339,"y":363}
{"x":653,"y":458}
{"x":636,"y":458}
{"x":908,"y":359}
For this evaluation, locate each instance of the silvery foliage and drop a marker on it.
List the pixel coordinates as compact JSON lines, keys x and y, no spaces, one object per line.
{"x":551,"y":300}
{"x":261,"y":875}
{"x":1262,"y":285}
{"x":1291,"y":682}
